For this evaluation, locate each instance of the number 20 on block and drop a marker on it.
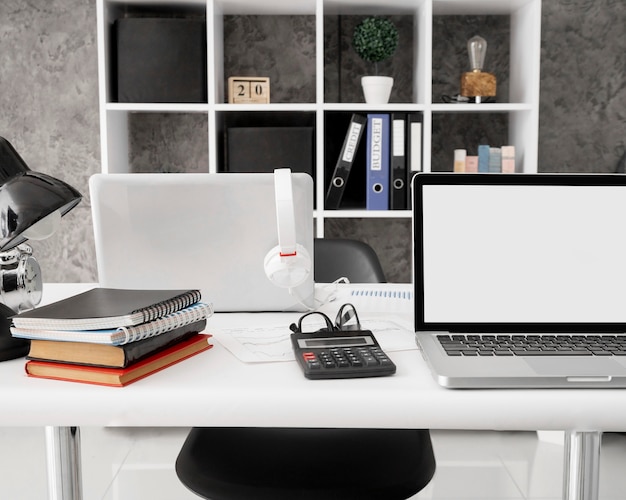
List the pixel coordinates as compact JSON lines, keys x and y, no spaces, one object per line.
{"x":248,"y":90}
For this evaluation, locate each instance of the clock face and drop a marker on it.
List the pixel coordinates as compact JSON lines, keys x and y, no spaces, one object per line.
{"x":32,"y":280}
{"x":21,"y":281}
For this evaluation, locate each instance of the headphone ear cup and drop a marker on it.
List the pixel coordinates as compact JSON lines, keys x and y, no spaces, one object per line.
{"x":288,"y":271}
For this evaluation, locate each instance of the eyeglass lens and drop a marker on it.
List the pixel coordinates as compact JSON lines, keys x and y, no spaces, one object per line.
{"x":347,"y":318}
{"x":314,"y":322}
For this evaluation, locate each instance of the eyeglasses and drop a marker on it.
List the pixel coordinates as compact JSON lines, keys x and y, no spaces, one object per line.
{"x":346,"y":319}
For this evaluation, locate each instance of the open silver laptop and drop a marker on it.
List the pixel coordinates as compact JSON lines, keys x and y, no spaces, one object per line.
{"x":513,"y":272}
{"x":204,"y":231}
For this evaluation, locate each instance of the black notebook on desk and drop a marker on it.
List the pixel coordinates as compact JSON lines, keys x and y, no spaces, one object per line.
{"x":101,"y":308}
{"x":519,"y":279}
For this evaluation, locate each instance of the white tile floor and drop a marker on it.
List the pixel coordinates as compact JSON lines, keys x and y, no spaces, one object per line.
{"x":137,"y":464}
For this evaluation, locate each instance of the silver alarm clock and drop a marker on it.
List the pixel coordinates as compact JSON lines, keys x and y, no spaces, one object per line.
{"x":20,"y":279}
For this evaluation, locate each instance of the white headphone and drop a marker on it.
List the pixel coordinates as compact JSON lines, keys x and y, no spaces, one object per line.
{"x":287,"y":265}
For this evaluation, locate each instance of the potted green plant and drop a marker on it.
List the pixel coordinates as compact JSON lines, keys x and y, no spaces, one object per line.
{"x":375,"y":39}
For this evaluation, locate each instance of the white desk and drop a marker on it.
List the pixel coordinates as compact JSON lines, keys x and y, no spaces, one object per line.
{"x":214,"y":388}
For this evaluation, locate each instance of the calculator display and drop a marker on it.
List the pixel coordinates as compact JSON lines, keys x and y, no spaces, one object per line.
{"x":335,"y":342}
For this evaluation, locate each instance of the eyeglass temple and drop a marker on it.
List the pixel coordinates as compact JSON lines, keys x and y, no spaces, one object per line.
{"x":345,"y":314}
{"x":298,"y":328}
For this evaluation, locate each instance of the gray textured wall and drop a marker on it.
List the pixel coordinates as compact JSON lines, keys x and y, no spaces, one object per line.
{"x":49,"y":104}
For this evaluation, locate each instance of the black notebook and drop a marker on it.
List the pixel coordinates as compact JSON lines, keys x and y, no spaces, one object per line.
{"x":101,"y":308}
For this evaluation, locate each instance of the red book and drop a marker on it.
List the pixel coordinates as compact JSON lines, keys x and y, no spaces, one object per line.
{"x":119,"y":377}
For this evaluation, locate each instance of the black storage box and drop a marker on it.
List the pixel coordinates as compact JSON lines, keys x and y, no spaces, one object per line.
{"x":161,"y":60}
{"x":263,"y":149}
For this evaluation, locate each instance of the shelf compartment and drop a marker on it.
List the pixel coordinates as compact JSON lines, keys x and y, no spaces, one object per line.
{"x":450,"y":36}
{"x":468,"y":130}
{"x":151,"y":16}
{"x":336,"y":124}
{"x":156,"y":142}
{"x":281,"y":47}
{"x":302,"y":121}
{"x":343,"y":68}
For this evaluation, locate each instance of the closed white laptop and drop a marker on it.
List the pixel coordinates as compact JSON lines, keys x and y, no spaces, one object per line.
{"x":211,"y":232}
{"x":520,"y":279}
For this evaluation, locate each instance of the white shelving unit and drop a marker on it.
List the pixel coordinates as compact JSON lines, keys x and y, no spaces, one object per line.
{"x":521,"y":107}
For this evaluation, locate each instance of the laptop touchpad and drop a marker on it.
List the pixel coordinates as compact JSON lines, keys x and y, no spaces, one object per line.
{"x":583,"y":366}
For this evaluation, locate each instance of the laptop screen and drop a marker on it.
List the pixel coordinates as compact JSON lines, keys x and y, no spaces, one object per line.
{"x":519,"y":251}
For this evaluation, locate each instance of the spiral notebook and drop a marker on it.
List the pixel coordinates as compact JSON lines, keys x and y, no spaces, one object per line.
{"x":101,"y":308}
{"x":123,"y":334}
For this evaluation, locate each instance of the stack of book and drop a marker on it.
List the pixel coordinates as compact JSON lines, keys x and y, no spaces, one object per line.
{"x":499,"y":159}
{"x":111,"y":336}
{"x":393,"y":154}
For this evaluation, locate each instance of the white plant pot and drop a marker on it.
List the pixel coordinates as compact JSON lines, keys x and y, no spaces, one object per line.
{"x":376,"y":89}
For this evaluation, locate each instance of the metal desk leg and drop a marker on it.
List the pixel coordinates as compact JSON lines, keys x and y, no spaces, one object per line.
{"x":582,"y":465}
{"x":63,"y":457}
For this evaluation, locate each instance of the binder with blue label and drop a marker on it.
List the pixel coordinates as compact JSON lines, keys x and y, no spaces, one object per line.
{"x":377,"y":197}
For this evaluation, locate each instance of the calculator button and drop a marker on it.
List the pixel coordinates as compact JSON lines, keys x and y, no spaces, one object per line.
{"x":369,"y":360}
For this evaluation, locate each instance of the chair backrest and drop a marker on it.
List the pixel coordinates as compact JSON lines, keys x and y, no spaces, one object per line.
{"x":337,"y":257}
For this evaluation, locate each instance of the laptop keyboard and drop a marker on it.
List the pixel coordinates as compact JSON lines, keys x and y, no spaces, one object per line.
{"x":533,"y":345}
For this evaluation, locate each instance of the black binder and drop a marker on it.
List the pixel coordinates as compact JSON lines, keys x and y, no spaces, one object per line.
{"x":398,"y":171}
{"x":344,"y":163}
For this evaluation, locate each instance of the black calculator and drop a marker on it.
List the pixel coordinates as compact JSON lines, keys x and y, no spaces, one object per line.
{"x":337,"y":354}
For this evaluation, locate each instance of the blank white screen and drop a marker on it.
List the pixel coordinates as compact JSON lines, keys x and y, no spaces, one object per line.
{"x":510,"y":254}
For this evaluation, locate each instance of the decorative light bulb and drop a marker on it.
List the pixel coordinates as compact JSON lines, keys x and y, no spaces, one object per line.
{"x":477,"y":48}
{"x":44,"y":228}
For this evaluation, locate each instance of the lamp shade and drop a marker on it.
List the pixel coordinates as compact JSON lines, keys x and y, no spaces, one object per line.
{"x":27,"y":197}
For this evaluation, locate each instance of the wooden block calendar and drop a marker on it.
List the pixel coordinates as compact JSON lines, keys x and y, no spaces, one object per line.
{"x":248,"y":90}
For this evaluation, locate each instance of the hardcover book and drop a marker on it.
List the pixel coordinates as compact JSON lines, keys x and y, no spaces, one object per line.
{"x":88,"y":353}
{"x":118,"y":377}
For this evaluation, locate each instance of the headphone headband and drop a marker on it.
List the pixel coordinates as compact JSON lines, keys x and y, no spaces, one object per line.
{"x":285,"y":217}
{"x":288,"y":265}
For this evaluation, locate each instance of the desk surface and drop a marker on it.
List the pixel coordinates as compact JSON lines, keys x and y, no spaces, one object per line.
{"x":214,"y":388}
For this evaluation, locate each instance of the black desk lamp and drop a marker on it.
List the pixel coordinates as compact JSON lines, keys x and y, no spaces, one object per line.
{"x":31,"y":205}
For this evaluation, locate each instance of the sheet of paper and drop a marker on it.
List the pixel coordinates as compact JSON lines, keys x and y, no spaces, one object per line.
{"x":271,"y":342}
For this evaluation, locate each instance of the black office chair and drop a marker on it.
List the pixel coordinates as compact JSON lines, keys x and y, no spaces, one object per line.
{"x":338,"y":257}
{"x":311,"y":464}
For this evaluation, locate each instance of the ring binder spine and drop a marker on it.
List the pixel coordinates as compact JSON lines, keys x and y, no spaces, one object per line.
{"x":166,"y":307}
{"x":195,"y":312}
